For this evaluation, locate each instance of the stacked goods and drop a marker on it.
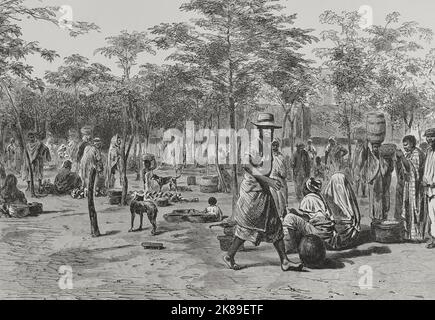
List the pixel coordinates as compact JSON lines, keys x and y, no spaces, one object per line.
{"x":209,"y":184}
{"x":191,"y":181}
{"x":387,"y":150}
{"x":388,"y":231}
{"x":162,"y":202}
{"x":19,"y":210}
{"x":115,"y":196}
{"x":376,"y":127}
{"x":35,"y":208}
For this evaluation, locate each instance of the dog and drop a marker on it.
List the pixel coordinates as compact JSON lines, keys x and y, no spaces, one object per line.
{"x":140,"y":206}
{"x":162,"y":181}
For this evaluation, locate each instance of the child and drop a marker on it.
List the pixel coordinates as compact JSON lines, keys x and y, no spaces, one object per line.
{"x":319,"y":169}
{"x":213,"y":209}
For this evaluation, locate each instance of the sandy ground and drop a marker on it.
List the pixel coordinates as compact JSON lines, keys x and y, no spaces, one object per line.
{"x":116,"y":266}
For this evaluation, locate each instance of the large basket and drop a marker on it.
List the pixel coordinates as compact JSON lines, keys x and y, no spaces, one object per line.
{"x":388,"y":231}
{"x":35,"y":208}
{"x":191,"y":181}
{"x":19,"y":210}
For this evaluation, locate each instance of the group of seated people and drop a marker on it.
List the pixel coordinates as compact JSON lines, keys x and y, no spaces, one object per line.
{"x":332,"y":214}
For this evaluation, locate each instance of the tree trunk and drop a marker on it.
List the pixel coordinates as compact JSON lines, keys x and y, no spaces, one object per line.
{"x":218,"y":168}
{"x":349,"y":144}
{"x":235,"y":184}
{"x":135,"y":155}
{"x":139,"y":160}
{"x":95,"y":232}
{"x":22,"y":141}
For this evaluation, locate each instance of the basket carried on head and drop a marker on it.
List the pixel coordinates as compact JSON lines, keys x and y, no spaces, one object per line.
{"x":376,"y":127}
{"x":387,"y":150}
{"x":388,"y":231}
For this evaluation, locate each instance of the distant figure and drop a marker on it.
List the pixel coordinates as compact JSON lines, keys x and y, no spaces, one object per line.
{"x":410,"y":168}
{"x":149,"y":165}
{"x":86,"y":141}
{"x":301,"y":169}
{"x":213,"y":209}
{"x":113,"y":161}
{"x":334,"y":157}
{"x":39,"y":154}
{"x":312,"y":152}
{"x":429,"y":183}
{"x":91,"y":158}
{"x":11,"y":155}
{"x":9,"y":193}
{"x":379,"y":171}
{"x":65,"y":180}
{"x":72,"y":148}
{"x":319,"y":169}
{"x":279,"y":172}
{"x":359,"y":174}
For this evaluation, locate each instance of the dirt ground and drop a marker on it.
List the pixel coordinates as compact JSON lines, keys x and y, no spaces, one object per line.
{"x":116,"y":266}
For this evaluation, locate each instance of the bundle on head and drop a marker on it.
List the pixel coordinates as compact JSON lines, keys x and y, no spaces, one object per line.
{"x":312,"y":251}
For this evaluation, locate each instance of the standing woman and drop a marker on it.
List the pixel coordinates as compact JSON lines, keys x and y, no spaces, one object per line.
{"x":256,"y":215}
{"x":279,"y":172}
{"x":113,"y":161}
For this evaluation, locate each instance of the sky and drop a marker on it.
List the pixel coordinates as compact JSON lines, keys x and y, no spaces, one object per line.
{"x":112,"y":16}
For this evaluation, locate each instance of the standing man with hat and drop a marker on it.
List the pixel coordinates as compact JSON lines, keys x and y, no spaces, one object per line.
{"x":300,"y":164}
{"x":256,"y":216}
{"x":429,"y":183}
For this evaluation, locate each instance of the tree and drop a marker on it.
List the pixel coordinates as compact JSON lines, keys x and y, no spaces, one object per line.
{"x":14,"y":49}
{"x":351,"y":69}
{"x":401,"y":76}
{"x":228,"y":45}
{"x":125,"y":48}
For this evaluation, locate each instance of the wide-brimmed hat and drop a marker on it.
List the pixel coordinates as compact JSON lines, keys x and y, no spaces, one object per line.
{"x":314,"y":185}
{"x":266,"y":120}
{"x":430,"y":133}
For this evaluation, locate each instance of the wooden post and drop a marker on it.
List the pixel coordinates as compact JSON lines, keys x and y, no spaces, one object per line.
{"x":95,"y":232}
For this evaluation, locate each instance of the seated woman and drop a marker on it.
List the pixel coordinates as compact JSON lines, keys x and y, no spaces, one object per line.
{"x":343,"y":204}
{"x":66,"y":181}
{"x":9,"y":194}
{"x":313,"y":217}
{"x":333,"y":215}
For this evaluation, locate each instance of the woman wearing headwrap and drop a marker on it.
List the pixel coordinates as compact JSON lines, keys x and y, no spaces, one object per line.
{"x":9,"y":193}
{"x":113,"y":161}
{"x":343,"y":204}
{"x":279,"y":172}
{"x":333,"y":214}
{"x":66,"y":181}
